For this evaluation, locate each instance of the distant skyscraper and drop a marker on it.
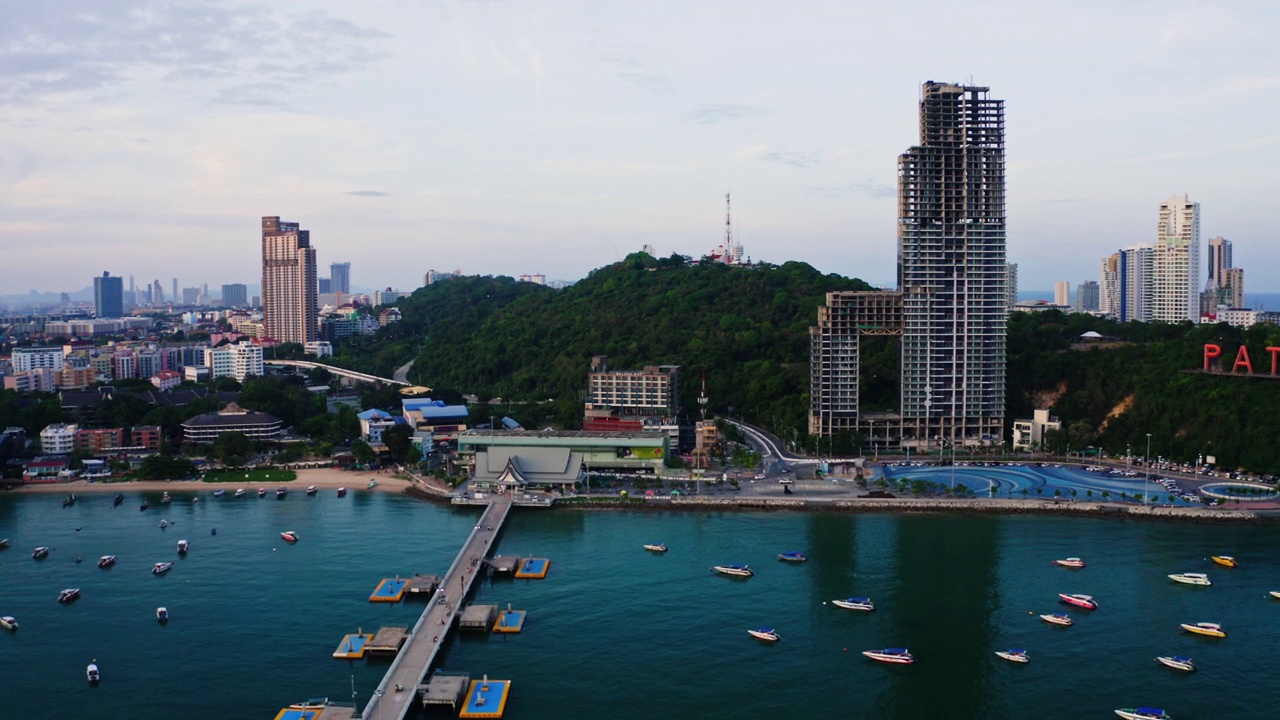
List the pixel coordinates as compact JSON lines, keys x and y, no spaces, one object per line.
{"x":1109,"y":285}
{"x":235,"y":295}
{"x":1062,"y":293}
{"x":1136,"y":283}
{"x":1175,"y":293}
{"x":326,"y":285}
{"x":157,"y":293}
{"x":108,"y":296}
{"x":1012,"y":274}
{"x":190,"y":296}
{"x":288,"y":282}
{"x":1231,"y":291}
{"x":1087,"y":294}
{"x":1219,"y":261}
{"x":65,"y":300}
{"x":174,"y":297}
{"x":340,"y":278}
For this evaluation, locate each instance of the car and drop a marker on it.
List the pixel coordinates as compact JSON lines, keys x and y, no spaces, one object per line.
{"x":760,"y":476}
{"x":786,"y":481}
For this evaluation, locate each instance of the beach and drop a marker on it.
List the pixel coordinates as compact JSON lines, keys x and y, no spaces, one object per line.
{"x":326,"y":478}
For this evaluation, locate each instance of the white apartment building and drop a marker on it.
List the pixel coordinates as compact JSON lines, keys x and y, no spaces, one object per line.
{"x":1136,"y":285}
{"x":1062,"y":293}
{"x":58,"y":439}
{"x":1175,"y":292}
{"x":32,"y":358}
{"x":319,"y":348}
{"x":219,"y":361}
{"x":238,"y":361}
{"x":1238,"y":317}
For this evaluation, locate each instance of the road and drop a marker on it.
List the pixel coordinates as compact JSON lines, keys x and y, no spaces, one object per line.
{"x":402,"y":374}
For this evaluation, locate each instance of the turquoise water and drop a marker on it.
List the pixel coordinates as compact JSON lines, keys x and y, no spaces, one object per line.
{"x":614,"y":631}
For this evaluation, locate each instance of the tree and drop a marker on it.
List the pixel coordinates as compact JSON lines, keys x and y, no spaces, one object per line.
{"x":413,"y":456}
{"x":362,"y":452}
{"x":231,"y":448}
{"x":319,"y":376}
{"x":398,"y":439}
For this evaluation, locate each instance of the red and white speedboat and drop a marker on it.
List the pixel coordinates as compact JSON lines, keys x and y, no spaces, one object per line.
{"x":1084,"y":601}
{"x":1057,"y":619}
{"x":289,"y":536}
{"x":899,"y":656}
{"x":1071,"y":562}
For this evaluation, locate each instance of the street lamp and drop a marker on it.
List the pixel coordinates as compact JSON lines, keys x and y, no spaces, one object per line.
{"x":1146,"y":485}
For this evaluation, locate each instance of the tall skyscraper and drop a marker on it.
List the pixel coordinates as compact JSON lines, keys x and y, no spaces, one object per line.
{"x":1109,"y":285}
{"x":1137,"y":265}
{"x":1011,"y":273}
{"x":235,"y":295}
{"x":1175,"y":294}
{"x":1231,"y":290}
{"x":289,"y":303}
{"x":190,"y":296}
{"x":1062,"y":293}
{"x":174,"y":297}
{"x":1087,"y":296}
{"x":340,"y":278}
{"x":326,"y":285}
{"x":108,"y":296}
{"x":157,"y":292}
{"x":1219,"y":261}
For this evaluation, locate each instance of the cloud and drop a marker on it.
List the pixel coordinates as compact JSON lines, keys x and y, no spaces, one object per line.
{"x":723,"y":112}
{"x":368,"y":193}
{"x":794,"y":159}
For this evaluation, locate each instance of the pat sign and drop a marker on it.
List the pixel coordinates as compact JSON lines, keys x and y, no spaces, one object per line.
{"x":1213,"y":351}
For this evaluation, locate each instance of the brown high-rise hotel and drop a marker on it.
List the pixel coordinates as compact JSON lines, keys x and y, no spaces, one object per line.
{"x":289,"y":304}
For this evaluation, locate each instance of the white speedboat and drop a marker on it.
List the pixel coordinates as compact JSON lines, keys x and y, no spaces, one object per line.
{"x":1143,"y":713}
{"x":281,"y":493}
{"x":767,"y":634}
{"x":9,"y":622}
{"x":183,"y":546}
{"x":1274,"y":593}
{"x":289,"y":536}
{"x":1205,"y":628}
{"x":69,"y":595}
{"x":1191,"y":578}
{"x":262,"y":492}
{"x":106,"y":561}
{"x":1014,"y":655}
{"x":1057,"y":619}
{"x":166,"y":498}
{"x":239,"y":492}
{"x":1071,"y":562}
{"x":92,"y":673}
{"x":372,"y":484}
{"x":899,"y":656}
{"x":40,"y":553}
{"x":161,"y":568}
{"x":734,"y":570}
{"x":855,"y":603}
{"x":219,"y":492}
{"x":342,"y":492}
{"x":1084,"y":601}
{"x":164,"y":524}
{"x":162,"y":615}
{"x":658,"y":548}
{"x":312,"y":489}
{"x":794,"y":557}
{"x":1178,"y":662}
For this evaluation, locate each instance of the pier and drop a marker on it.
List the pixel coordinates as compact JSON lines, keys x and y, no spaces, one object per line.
{"x":409,"y":670}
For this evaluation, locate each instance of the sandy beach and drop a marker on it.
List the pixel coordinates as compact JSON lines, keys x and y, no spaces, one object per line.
{"x":324,"y":478}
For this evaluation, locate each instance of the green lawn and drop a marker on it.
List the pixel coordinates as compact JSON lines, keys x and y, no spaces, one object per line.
{"x":250,"y":477}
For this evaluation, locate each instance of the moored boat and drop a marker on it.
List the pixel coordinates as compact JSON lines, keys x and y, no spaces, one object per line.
{"x":144,"y":505}
{"x":1071,"y":562}
{"x":1274,"y":593}
{"x":1017,"y":655}
{"x":855,"y":603}
{"x":91,"y":672}
{"x":1224,"y":560}
{"x":1205,"y":628}
{"x":289,"y":536}
{"x":161,"y":568}
{"x":342,"y":492}
{"x":797,"y":557}
{"x":767,"y":634}
{"x":1143,"y":713}
{"x":372,"y":483}
{"x":9,"y":622}
{"x":119,"y":499}
{"x":164,"y":524}
{"x":1084,"y":601}
{"x":239,"y":492}
{"x":219,"y":492}
{"x":40,"y":553}
{"x":734,"y":570}
{"x":1057,"y":619}
{"x":1190,"y":578}
{"x":106,"y":561}
{"x":281,"y":493}
{"x":312,"y":489}
{"x":899,"y":656}
{"x":162,"y":615}
{"x":658,"y":547}
{"x":1178,"y":662}
{"x":183,"y":546}
{"x":69,"y":500}
{"x":68,"y":595}
{"x":4,"y":543}
{"x":262,"y":492}
{"x":166,"y":498}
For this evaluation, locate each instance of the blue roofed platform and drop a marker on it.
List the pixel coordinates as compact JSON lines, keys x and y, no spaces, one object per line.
{"x":319,"y":709}
{"x":389,"y":590}
{"x":533,"y":568}
{"x":486,"y":699}
{"x":353,"y":646}
{"x":510,"y":621}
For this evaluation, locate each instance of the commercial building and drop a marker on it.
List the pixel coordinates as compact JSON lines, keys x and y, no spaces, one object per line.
{"x":434,"y":421}
{"x":254,"y":425}
{"x":527,"y":468}
{"x":235,"y":295}
{"x":630,"y":399}
{"x":643,"y":452}
{"x":1175,"y":293}
{"x":108,"y":296}
{"x":288,"y":282}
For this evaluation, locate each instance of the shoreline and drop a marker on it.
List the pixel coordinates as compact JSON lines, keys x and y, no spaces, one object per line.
{"x":322,"y":478}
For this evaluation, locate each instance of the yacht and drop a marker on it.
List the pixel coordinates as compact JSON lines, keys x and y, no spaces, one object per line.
{"x":162,"y":615}
{"x":91,"y":672}
{"x":40,"y":553}
{"x":1205,"y":628}
{"x":9,"y":622}
{"x":1191,"y":578}
{"x":1085,"y":601}
{"x":342,"y":492}
{"x":311,"y":489}
{"x":891,"y":655}
{"x":1014,"y":655}
{"x":658,"y":548}
{"x":289,"y":536}
{"x":1143,"y":713}
{"x":219,"y":492}
{"x":1224,"y":560}
{"x":281,"y":492}
{"x":161,"y":568}
{"x":735,"y":570}
{"x":68,"y":595}
{"x":106,"y":561}
{"x":183,"y":546}
{"x":855,"y":603}
{"x":765,"y":634}
{"x":239,"y":492}
{"x":166,"y":498}
{"x":796,"y":557}
{"x":262,"y":492}
{"x":1178,"y":662}
{"x":1057,"y":619}
{"x":1071,"y":562}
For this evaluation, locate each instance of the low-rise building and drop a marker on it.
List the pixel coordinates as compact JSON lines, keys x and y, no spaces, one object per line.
{"x":146,"y":437}
{"x":58,"y":439}
{"x":38,"y":380}
{"x":254,"y":425}
{"x":433,"y":421}
{"x":1029,"y":434}
{"x":74,"y":378}
{"x":1236,"y":317}
{"x":45,"y":470}
{"x":166,"y":379}
{"x":640,"y":451}
{"x":319,"y":348}
{"x":372,"y":423}
{"x":100,"y":440}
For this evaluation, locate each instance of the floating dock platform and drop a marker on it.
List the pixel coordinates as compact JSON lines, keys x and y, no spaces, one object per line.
{"x":478,"y":617}
{"x":353,"y":646}
{"x":486,"y":699}
{"x":533,"y":568}
{"x":422,"y":585}
{"x":316,"y":710}
{"x":388,"y":640}
{"x":389,"y":590}
{"x":509,"y":621}
{"x":506,"y":564}
{"x":445,"y":689}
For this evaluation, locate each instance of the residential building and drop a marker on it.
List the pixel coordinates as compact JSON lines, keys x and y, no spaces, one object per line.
{"x":100,"y":440}
{"x":388,"y":316}
{"x":1136,"y":284}
{"x":147,"y":437}
{"x":1087,"y":297}
{"x":630,"y":399}
{"x":108,"y":296}
{"x":1011,"y":273}
{"x":288,"y":282}
{"x":124,"y":363}
{"x":235,"y":295}
{"x":71,"y":377}
{"x":166,"y":379}
{"x":1062,"y":293}
{"x":58,"y":439}
{"x":38,"y":380}
{"x":373,"y":422}
{"x":196,"y":373}
{"x":239,"y":360}
{"x":536,"y":279}
{"x":388,"y":297}
{"x":340,"y":278}
{"x":326,"y":286}
{"x":319,"y":348}
{"x":1175,"y":293}
{"x":1219,"y":261}
{"x":1239,"y":317}
{"x":30,"y":358}
{"x":1231,"y":290}
{"x":1029,"y":434}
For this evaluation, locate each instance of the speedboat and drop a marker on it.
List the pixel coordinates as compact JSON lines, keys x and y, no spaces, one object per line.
{"x":1205,"y":628}
{"x":342,"y":492}
{"x":239,"y":492}
{"x":1057,"y":619}
{"x":1085,"y":601}
{"x":40,"y":553}
{"x":855,"y":603}
{"x":1224,"y":560}
{"x":161,"y":568}
{"x":69,"y":500}
{"x":92,"y":673}
{"x":1178,"y":662}
{"x":219,"y":492}
{"x":311,"y":489}
{"x":9,"y":622}
{"x":1274,"y":593}
{"x":891,"y":655}
{"x":797,"y":557}
{"x":106,"y":561}
{"x":195,"y":498}
{"x":765,"y":634}
{"x":734,"y":570}
{"x":119,"y":499}
{"x":281,"y":492}
{"x":262,"y":492}
{"x":162,"y":615}
{"x":166,"y":498}
{"x":164,"y":524}
{"x":4,"y":543}
{"x":1191,"y":578}
{"x":1071,"y":562}
{"x":183,"y":546}
{"x":1014,"y":655}
{"x":144,"y":505}
{"x":658,"y":548}
{"x":372,"y":483}
{"x":68,"y":595}
{"x":1143,"y":713}
{"x":289,"y":536}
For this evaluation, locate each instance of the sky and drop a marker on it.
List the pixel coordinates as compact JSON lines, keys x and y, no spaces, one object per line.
{"x":148,"y":138}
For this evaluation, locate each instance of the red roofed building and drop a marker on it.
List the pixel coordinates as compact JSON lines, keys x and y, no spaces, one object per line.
{"x":166,"y":379}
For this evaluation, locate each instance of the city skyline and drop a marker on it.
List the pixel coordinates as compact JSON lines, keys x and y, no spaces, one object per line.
{"x":555,"y":139}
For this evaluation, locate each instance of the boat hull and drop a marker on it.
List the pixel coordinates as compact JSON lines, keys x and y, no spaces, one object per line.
{"x":1224,"y":560}
{"x":1013,"y":657}
{"x":1057,"y":620}
{"x":1176,"y":664}
{"x":763,"y":635}
{"x":1080,"y":602}
{"x":1070,"y":563}
{"x":1191,"y":580}
{"x":1205,"y":631}
{"x":892,"y":659}
{"x":733,"y":572}
{"x":865,"y":606}
{"x":1131,"y":714}
{"x":8,"y":623}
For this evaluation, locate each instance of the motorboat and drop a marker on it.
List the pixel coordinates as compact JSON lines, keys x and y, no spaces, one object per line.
{"x":1057,"y":619}
{"x":164,"y":524}
{"x":69,"y":500}
{"x":92,"y":673}
{"x":119,"y":499}
{"x":658,"y":548}
{"x":40,"y":553}
{"x":166,"y":498}
{"x":162,"y":615}
{"x":372,"y":483}
{"x":9,"y":622}
{"x":1274,"y":593}
{"x":796,"y":557}
{"x":767,"y":634}
{"x":195,"y":498}
{"x":68,"y":595}
{"x":106,"y":561}
{"x":891,"y":655}
{"x":312,"y":489}
{"x":262,"y":492}
{"x":1178,"y":662}
{"x":161,"y":568}
{"x":734,"y":570}
{"x":1014,"y":655}
{"x":289,"y":536}
{"x":1071,"y":562}
{"x":4,"y":543}
{"x":855,"y":603}
{"x":239,"y":492}
{"x":342,"y":492}
{"x":281,"y":493}
{"x":1224,"y":560}
{"x":219,"y":492}
{"x":1143,"y":713}
{"x":1084,"y":601}
{"x":144,"y":505}
{"x":1205,"y":628}
{"x":183,"y":546}
{"x":1191,"y":578}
